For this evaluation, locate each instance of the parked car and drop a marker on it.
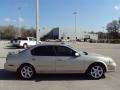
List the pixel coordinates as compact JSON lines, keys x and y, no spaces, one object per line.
{"x":24,"y":42}
{"x":58,"y":58}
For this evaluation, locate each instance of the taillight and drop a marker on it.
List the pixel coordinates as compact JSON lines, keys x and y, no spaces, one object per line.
{"x":6,"y":59}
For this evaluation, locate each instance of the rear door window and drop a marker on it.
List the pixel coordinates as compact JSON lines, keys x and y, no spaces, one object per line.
{"x":43,"y":51}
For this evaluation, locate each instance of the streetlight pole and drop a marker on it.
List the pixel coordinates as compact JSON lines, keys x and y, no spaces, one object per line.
{"x":103,"y":34}
{"x":75,"y":13}
{"x":37,"y":21}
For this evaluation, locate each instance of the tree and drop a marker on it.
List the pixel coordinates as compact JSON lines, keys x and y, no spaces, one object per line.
{"x":7,"y":32}
{"x":113,"y":29}
{"x":28,"y":32}
{"x":10,"y":32}
{"x":100,"y":35}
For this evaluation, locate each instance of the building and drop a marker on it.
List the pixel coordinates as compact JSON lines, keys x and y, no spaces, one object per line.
{"x":67,"y":34}
{"x":52,"y":34}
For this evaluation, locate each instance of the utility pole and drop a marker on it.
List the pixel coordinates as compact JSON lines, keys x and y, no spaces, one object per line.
{"x":37,"y":22}
{"x":19,"y":22}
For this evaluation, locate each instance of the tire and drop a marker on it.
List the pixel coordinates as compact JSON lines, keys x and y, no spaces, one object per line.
{"x":25,"y":46}
{"x":26,"y":72}
{"x":96,"y":71}
{"x":17,"y":46}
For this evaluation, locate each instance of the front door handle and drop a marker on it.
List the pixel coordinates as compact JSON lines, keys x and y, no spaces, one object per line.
{"x":33,"y":59}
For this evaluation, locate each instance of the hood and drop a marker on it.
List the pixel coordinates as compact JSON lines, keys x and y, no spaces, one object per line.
{"x":94,"y":56}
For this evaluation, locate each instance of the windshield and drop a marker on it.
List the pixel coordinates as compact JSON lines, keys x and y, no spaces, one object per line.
{"x":78,"y":50}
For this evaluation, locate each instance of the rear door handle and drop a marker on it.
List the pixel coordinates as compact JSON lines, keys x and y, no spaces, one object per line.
{"x":59,"y":60}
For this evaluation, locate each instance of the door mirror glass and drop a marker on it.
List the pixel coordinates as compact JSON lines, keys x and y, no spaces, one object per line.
{"x":77,"y":54}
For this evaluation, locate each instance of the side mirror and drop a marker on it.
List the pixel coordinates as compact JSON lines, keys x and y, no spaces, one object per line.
{"x":85,"y":53}
{"x":77,"y":54}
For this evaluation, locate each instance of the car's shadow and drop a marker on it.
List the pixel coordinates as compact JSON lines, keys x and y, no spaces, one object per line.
{"x":5,"y":75}
{"x":61,"y":77}
{"x":12,"y":47}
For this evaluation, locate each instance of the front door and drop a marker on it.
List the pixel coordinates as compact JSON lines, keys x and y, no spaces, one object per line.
{"x":66,"y":61}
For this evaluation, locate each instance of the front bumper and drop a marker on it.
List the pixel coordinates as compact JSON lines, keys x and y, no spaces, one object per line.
{"x":111,"y":67}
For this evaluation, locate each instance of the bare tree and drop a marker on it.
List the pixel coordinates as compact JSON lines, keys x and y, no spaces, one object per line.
{"x":113,"y":29}
{"x":9,"y":32}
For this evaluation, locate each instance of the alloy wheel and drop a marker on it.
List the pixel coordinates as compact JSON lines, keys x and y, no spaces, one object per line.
{"x":96,"y":72}
{"x":25,"y":46}
{"x":27,"y":72}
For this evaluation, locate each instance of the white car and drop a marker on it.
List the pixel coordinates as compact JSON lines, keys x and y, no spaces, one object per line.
{"x":57,"y":58}
{"x":24,"y":42}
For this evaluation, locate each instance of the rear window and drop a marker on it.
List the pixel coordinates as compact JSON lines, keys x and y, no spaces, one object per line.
{"x":20,"y":38}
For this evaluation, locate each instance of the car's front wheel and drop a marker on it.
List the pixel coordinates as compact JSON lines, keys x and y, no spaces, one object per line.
{"x":96,"y":71}
{"x":26,"y":71}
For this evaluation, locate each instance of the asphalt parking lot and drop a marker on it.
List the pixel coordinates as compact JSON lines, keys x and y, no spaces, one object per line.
{"x":9,"y":81}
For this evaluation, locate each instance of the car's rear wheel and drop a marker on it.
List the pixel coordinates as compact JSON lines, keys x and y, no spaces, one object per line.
{"x":25,"y":46}
{"x":26,"y":71}
{"x":96,"y":71}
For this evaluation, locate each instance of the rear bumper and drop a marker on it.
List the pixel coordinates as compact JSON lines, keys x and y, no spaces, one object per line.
{"x":18,"y":45}
{"x":10,"y":67}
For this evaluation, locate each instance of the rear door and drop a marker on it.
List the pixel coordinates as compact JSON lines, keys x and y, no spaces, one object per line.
{"x":43,"y":58}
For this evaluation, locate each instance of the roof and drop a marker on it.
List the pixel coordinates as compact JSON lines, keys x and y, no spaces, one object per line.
{"x":52,"y":43}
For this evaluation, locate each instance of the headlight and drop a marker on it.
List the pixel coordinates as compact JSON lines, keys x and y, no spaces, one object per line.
{"x":111,"y":61}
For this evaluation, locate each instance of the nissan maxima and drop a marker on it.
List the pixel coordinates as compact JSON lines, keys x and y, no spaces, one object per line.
{"x":58,"y":59}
